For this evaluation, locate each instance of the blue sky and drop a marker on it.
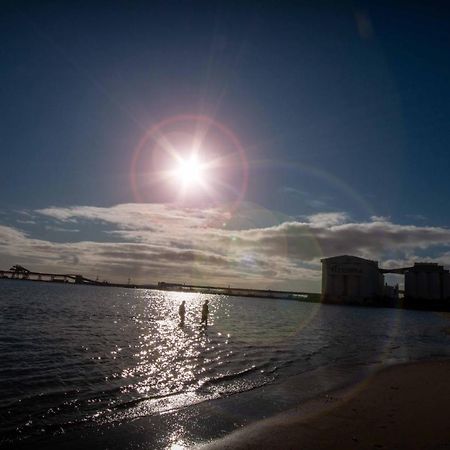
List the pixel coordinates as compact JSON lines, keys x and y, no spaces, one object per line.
{"x":341,"y":113}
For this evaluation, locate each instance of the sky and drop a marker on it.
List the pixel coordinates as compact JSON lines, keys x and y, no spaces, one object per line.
{"x":231,"y":143}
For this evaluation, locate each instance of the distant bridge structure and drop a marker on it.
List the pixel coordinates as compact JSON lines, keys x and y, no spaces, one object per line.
{"x":18,"y":272}
{"x":399,"y":270}
{"x":240,"y":292}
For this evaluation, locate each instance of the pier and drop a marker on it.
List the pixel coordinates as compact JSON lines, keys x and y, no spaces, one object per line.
{"x":240,"y":292}
{"x":18,"y":272}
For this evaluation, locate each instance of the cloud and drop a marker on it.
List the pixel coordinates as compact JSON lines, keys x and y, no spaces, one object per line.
{"x":60,"y":229}
{"x":326,"y":219}
{"x":25,"y":222}
{"x":9,"y":234}
{"x":380,"y":218}
{"x":138,"y":216}
{"x":156,"y":242}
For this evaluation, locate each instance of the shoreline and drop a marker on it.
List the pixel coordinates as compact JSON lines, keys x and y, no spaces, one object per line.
{"x":304,"y":297}
{"x":202,"y":422}
{"x":399,"y":406}
{"x":278,"y":415}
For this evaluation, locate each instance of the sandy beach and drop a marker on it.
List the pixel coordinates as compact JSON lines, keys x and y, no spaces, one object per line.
{"x":400,"y":407}
{"x":405,"y":406}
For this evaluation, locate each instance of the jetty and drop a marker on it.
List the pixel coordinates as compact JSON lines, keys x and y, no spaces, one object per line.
{"x":18,"y":272}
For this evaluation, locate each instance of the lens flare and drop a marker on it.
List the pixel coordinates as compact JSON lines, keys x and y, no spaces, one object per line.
{"x":190,"y":171}
{"x":195,"y":154}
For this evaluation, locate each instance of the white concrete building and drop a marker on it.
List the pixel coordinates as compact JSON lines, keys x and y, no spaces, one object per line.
{"x":350,"y":279}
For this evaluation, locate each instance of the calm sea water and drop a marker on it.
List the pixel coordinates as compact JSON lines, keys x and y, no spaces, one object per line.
{"x":75,"y":354}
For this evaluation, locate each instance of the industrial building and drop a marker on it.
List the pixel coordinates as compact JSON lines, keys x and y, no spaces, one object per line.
{"x":354,"y":280}
{"x":350,"y":279}
{"x":427,"y":281}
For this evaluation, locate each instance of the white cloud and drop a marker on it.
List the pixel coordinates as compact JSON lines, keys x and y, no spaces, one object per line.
{"x":62,"y":230}
{"x":380,"y":219}
{"x":139,"y":216}
{"x":164,"y":242}
{"x":327,"y":219}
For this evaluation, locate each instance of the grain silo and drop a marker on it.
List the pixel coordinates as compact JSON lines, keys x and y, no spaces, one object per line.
{"x":350,"y":279}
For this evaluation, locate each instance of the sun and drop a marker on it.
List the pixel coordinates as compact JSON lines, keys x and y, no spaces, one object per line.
{"x":190,"y":158}
{"x":190,"y":171}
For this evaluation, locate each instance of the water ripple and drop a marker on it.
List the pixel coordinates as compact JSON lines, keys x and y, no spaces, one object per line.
{"x":76,"y":354}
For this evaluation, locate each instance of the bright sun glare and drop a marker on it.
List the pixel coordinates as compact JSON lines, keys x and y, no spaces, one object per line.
{"x":189,"y":171}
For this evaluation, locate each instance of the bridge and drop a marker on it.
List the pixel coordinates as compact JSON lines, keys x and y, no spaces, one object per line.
{"x":18,"y":272}
{"x":240,"y":292}
{"x":399,"y":270}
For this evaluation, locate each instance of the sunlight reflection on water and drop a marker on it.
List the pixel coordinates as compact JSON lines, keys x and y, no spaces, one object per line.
{"x":175,"y":366}
{"x":73,"y":354}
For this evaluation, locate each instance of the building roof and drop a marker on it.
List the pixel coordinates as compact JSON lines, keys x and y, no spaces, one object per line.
{"x":427,"y":267}
{"x":349,"y":257}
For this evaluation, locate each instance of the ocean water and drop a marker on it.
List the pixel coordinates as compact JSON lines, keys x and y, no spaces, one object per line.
{"x":72,"y":355}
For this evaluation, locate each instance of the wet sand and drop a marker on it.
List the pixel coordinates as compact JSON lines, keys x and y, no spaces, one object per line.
{"x":406,"y":406}
{"x":400,"y":407}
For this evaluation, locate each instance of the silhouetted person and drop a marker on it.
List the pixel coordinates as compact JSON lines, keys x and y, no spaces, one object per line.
{"x":182,"y":312}
{"x":205,"y":311}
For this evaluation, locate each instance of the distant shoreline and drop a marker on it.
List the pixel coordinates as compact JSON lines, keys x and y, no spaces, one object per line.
{"x":308,"y":297}
{"x":178,"y":287}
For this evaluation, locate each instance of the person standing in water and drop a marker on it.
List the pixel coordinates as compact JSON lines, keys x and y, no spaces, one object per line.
{"x":182,"y":312}
{"x":205,"y":311}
